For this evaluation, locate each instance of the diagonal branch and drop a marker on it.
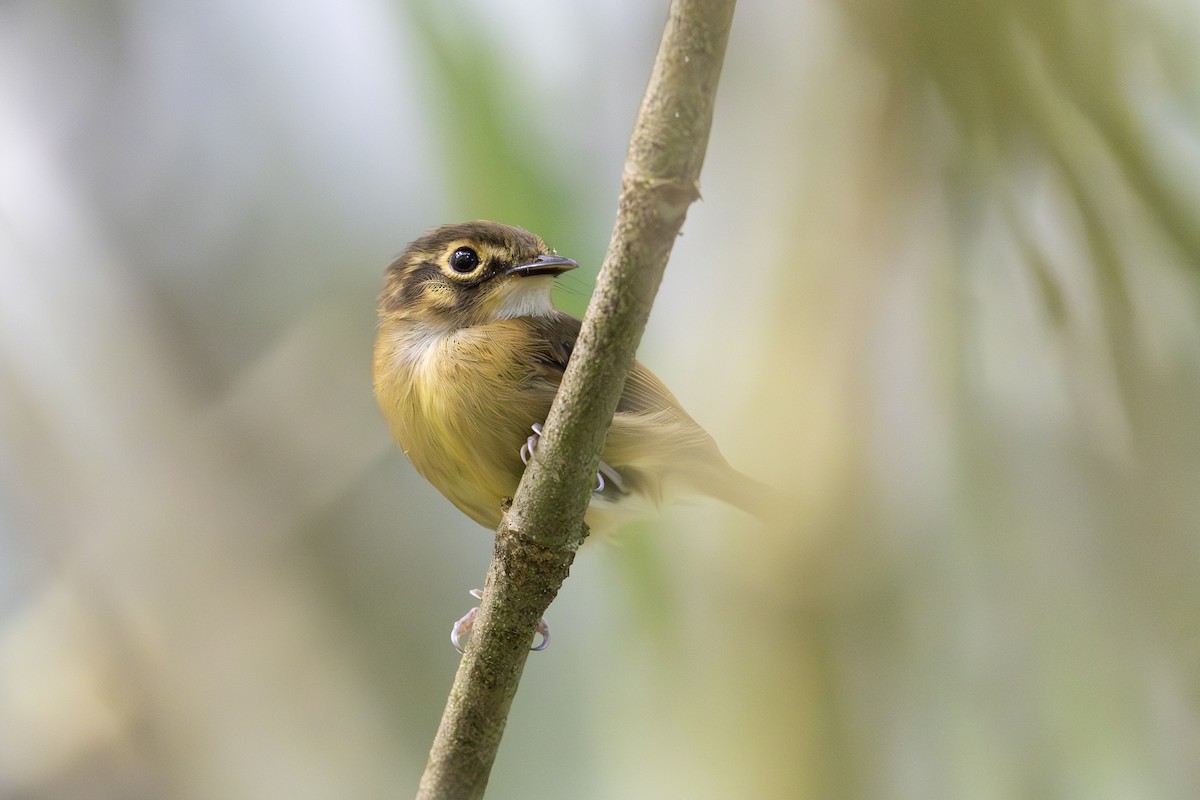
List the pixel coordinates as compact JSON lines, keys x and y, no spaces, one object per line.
{"x":543,"y":528}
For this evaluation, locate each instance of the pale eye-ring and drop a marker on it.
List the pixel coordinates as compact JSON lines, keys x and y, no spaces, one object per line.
{"x":464,"y":260}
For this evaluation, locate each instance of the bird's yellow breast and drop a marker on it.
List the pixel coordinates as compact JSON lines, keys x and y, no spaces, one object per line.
{"x":460,"y":405}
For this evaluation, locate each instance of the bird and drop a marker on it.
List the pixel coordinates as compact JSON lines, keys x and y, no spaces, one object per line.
{"x":469,"y":353}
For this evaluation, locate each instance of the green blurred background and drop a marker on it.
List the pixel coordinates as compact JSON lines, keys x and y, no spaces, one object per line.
{"x":942,"y":287}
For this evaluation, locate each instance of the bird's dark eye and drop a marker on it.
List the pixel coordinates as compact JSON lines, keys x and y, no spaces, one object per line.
{"x":464,"y":259}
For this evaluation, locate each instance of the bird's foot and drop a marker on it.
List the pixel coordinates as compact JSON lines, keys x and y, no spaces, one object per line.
{"x":531,"y":443}
{"x":462,"y":629}
{"x":605,"y":471}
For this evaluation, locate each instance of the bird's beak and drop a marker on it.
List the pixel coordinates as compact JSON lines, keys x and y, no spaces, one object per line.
{"x":542,"y":265}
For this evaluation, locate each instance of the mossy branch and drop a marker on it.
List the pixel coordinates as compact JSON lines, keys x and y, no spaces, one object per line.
{"x":537,"y":540}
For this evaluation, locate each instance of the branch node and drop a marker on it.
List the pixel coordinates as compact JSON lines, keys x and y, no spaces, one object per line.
{"x":672,"y":192}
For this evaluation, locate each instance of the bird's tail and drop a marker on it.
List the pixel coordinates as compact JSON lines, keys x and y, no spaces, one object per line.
{"x":759,"y":499}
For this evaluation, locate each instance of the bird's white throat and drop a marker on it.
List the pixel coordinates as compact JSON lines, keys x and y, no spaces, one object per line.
{"x":525,"y":297}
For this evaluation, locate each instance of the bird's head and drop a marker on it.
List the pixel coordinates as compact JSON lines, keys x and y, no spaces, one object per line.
{"x":471,"y":273}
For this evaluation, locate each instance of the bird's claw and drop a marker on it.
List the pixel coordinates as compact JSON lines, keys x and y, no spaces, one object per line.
{"x":530,"y":446}
{"x":531,"y":443}
{"x":542,"y":630}
{"x":464,"y":626}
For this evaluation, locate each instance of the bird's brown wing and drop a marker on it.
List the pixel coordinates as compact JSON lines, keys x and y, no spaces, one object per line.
{"x":651,"y":430}
{"x":556,"y":335}
{"x":644,"y":393}
{"x":653,"y":442}
{"x":651,"y":434}
{"x":645,"y":396}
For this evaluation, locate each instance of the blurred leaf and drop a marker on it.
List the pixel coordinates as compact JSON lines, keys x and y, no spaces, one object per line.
{"x":1007,"y":72}
{"x":494,"y":166}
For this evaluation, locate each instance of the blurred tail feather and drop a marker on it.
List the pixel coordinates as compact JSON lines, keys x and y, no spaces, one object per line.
{"x":759,"y":499}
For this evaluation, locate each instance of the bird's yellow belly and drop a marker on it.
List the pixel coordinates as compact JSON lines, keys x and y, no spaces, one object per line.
{"x":461,"y":417}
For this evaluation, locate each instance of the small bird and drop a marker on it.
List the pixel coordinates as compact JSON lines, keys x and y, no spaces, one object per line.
{"x":469,"y":354}
{"x":468,"y":357}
